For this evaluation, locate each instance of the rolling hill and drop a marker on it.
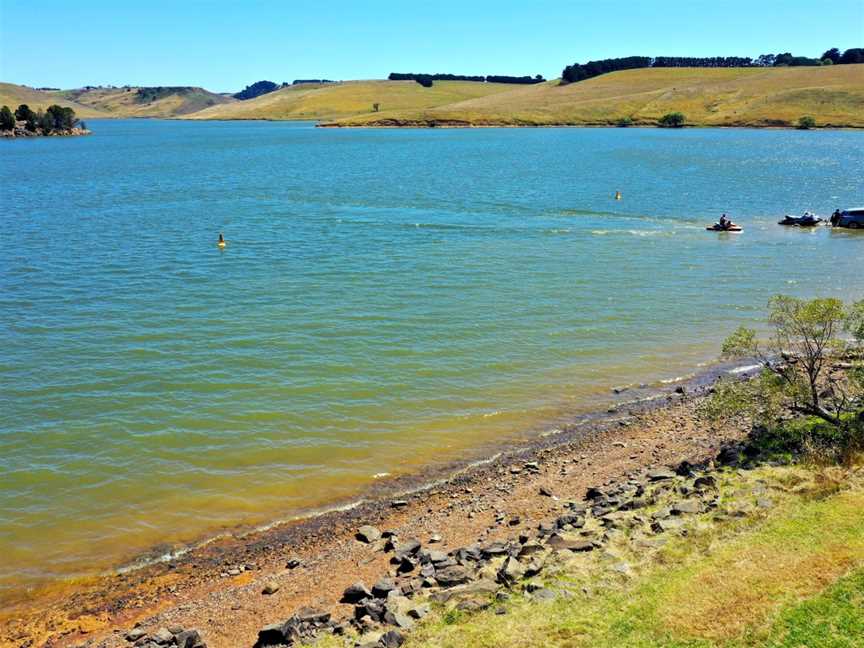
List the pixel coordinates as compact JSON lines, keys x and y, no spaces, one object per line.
{"x":131,"y":101}
{"x":338,"y":100}
{"x":14,"y":95}
{"x":834,"y":95}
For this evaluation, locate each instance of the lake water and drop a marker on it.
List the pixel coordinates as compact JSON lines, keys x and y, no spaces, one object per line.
{"x":389,"y":299}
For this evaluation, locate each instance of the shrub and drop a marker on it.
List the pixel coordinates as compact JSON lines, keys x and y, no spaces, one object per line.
{"x":672,"y":120}
{"x":806,"y":123}
{"x":624,"y":122}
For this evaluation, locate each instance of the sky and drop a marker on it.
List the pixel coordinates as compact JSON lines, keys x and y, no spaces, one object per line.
{"x":224,"y":46}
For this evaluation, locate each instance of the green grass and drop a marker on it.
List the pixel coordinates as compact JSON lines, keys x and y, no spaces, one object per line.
{"x":833,"y":95}
{"x":833,"y":619}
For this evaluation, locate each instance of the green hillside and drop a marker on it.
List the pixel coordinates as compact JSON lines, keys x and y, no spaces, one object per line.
{"x":333,"y":101}
{"x":834,"y":95}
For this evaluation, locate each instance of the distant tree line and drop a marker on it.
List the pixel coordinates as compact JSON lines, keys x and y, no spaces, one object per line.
{"x":56,"y":119}
{"x":256,"y":90}
{"x":426,"y":80}
{"x":582,"y":71}
{"x":302,"y":81}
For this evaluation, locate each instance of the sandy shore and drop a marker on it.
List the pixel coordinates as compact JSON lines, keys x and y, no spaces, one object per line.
{"x":217,"y":587}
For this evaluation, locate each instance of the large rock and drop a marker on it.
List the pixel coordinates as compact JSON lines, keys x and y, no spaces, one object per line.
{"x":189,"y":639}
{"x":686,"y":507}
{"x":355,"y":593}
{"x":660,"y":474}
{"x":453,"y":575}
{"x":479,"y":587}
{"x":368,"y":534}
{"x":561,"y":543}
{"x":391,"y":639}
{"x":510,"y":572}
{"x":383,"y":587}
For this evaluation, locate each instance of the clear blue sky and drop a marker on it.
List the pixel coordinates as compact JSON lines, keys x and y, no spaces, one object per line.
{"x":224,"y":46}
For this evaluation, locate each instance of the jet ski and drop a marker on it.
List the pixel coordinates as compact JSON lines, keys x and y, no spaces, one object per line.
{"x":807,"y":220}
{"x":728,"y":227}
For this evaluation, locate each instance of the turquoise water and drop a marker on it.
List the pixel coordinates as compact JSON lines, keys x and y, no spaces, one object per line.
{"x":388,"y":299}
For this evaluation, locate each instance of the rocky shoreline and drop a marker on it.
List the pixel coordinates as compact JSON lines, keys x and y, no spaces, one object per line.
{"x":226,"y":588}
{"x":21,"y":131}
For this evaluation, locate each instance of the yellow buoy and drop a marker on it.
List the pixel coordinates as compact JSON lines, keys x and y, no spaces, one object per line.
{"x":617,"y":195}
{"x":221,"y":242}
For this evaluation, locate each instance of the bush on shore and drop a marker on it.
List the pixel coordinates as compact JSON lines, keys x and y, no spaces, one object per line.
{"x":672,"y":120}
{"x":806,"y":123}
{"x":809,"y":394}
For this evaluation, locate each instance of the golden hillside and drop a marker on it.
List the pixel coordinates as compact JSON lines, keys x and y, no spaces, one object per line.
{"x":332,"y":101}
{"x":133,"y":101}
{"x":834,"y":95}
{"x":14,"y":95}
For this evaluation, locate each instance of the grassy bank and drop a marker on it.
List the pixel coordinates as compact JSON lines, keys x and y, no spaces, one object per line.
{"x":834,"y":96}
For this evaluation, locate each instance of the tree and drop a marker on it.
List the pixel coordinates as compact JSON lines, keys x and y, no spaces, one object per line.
{"x":7,"y":119}
{"x":45,"y":121}
{"x":63,"y":118}
{"x":800,"y":361}
{"x":375,"y":107}
{"x":23,"y":113}
{"x":672,"y":120}
{"x":255,"y":90}
{"x":806,"y":123}
{"x":832,"y":55}
{"x":852,"y":56}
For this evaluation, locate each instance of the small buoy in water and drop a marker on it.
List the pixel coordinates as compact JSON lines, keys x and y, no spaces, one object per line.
{"x":221,"y":242}
{"x":617,"y":195}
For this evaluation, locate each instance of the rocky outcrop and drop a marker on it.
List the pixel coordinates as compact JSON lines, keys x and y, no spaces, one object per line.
{"x":21,"y":131}
{"x":471,"y":576}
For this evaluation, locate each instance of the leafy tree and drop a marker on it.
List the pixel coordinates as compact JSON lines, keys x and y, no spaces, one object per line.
{"x":7,"y":119}
{"x":23,"y":113}
{"x":624,"y":122}
{"x":63,"y":118}
{"x":806,"y":123}
{"x":375,"y":107}
{"x":765,"y":60}
{"x":808,"y":365}
{"x":45,"y":121}
{"x":852,"y":56}
{"x":832,"y":55}
{"x":672,"y":120}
